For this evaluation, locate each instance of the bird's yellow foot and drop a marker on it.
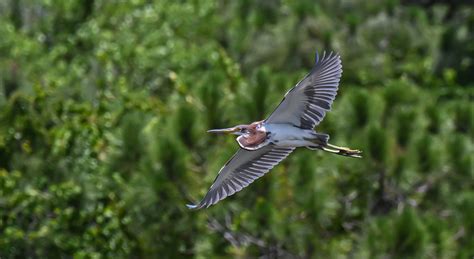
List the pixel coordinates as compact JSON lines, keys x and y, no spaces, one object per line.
{"x":350,"y":152}
{"x":345,"y":151}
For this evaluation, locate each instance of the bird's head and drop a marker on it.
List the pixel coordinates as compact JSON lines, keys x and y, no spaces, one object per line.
{"x":237,"y":130}
{"x":241,"y":129}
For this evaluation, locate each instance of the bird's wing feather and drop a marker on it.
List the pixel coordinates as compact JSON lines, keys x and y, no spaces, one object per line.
{"x":305,"y":105}
{"x":241,"y":170}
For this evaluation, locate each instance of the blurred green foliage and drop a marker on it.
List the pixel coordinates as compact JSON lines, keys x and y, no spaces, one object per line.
{"x":104,"y":107}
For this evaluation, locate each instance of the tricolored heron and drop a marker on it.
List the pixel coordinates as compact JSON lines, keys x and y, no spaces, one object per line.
{"x":263,"y":144}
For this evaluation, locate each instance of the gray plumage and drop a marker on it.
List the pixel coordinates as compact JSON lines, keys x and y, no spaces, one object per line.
{"x":305,"y":105}
{"x":241,"y":170}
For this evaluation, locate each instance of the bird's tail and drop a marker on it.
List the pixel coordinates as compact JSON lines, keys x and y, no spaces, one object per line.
{"x":320,"y":138}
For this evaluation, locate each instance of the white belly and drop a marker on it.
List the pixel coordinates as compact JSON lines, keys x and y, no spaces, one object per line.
{"x":287,"y":135}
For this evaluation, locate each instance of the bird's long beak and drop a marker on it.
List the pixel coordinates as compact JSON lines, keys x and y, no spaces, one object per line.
{"x":227,"y":130}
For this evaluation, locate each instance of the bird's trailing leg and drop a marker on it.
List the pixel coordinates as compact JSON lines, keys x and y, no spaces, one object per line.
{"x":343,"y":151}
{"x":321,"y":142}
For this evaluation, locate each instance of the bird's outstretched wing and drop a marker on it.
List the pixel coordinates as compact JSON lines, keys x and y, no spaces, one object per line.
{"x":306,"y":104}
{"x":241,"y":170}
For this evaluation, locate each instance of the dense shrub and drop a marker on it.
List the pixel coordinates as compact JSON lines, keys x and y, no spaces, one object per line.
{"x":104,"y":107}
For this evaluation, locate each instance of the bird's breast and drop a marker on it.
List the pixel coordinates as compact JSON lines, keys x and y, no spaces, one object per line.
{"x":253,"y":141}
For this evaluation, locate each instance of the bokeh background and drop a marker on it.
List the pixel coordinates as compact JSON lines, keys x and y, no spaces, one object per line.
{"x":104,"y":107}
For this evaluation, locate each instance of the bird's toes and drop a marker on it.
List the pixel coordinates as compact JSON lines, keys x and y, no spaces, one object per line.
{"x":350,"y":152}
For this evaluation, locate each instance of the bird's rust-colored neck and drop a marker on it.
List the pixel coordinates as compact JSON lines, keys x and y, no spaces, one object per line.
{"x":252,"y":126}
{"x":254,"y":137}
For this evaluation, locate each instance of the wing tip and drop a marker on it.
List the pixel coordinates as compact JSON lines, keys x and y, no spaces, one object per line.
{"x":332,"y":55}
{"x":192,"y":206}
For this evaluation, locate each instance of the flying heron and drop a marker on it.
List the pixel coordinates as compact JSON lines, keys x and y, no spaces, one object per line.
{"x":263,"y":144}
